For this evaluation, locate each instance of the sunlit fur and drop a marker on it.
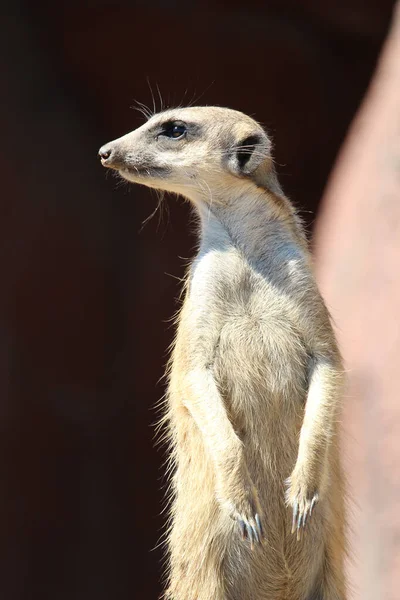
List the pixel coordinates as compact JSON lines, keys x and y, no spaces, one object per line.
{"x":255,"y":378}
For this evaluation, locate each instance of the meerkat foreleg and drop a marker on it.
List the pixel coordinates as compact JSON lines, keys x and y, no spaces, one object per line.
{"x":309,"y":477}
{"x":234,"y":488}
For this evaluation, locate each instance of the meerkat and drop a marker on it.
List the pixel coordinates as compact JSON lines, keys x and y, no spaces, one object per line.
{"x":255,"y":377}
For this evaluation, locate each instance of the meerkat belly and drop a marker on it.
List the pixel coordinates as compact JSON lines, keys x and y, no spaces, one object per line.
{"x":262,"y":363}
{"x":262,"y":366}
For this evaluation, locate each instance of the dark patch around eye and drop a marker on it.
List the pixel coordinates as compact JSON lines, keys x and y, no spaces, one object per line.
{"x":172,"y":129}
{"x":165,"y":129}
{"x":246,"y":149}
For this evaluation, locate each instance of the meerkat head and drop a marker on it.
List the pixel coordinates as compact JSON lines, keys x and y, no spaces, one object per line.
{"x":194,"y":152}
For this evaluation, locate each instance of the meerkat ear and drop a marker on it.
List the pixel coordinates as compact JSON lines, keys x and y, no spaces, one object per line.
{"x":251,"y":157}
{"x":245,"y":153}
{"x":249,"y":153}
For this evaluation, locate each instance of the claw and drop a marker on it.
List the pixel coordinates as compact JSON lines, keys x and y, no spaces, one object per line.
{"x":313,"y":502}
{"x":250,"y":534}
{"x":295,"y":511}
{"x":298,"y":536}
{"x":304,"y":520}
{"x":259,"y":526}
{"x":255,"y":533}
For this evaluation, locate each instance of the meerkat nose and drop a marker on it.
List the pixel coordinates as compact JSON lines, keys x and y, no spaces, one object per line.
{"x":105,"y":153}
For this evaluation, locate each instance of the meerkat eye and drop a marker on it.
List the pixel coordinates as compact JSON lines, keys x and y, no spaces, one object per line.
{"x":174,"y":130}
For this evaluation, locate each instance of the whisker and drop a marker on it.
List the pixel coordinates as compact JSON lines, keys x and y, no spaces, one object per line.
{"x":152,"y":214}
{"x":142,"y":108}
{"x":191,"y":101}
{"x":160,"y":97}
{"x":195,"y":100}
{"x":184,"y":96}
{"x":152,"y":95}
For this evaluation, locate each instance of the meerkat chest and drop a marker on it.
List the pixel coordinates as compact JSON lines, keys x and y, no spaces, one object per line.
{"x":214,"y":276}
{"x":222,"y":281}
{"x":238,"y":317}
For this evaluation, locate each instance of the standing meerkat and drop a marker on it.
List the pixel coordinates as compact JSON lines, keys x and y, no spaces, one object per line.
{"x":255,"y":377}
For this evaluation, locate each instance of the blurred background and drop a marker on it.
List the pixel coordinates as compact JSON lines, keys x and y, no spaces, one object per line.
{"x":87,"y":291}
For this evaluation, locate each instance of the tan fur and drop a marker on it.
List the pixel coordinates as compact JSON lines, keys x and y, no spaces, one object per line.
{"x":255,"y":377}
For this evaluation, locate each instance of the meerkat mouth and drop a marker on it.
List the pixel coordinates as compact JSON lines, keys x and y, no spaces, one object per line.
{"x":144,"y":172}
{"x":129,"y":171}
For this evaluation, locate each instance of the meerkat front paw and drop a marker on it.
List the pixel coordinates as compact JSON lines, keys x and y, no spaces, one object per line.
{"x":241,"y":502}
{"x":302,"y":497}
{"x":247,"y":513}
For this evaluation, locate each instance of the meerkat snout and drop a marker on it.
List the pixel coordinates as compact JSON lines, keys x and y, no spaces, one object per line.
{"x":105,"y":153}
{"x":192,"y":151}
{"x":112,"y":155}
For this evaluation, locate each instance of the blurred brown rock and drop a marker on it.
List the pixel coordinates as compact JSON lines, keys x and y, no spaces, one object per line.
{"x":358,"y":258}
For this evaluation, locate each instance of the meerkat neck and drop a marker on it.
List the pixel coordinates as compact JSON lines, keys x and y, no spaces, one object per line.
{"x":252,"y":222}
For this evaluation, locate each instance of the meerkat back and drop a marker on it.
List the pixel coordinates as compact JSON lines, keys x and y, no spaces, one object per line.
{"x":255,"y":377}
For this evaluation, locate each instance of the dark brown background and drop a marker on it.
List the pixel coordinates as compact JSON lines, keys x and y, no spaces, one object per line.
{"x":85,"y":294}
